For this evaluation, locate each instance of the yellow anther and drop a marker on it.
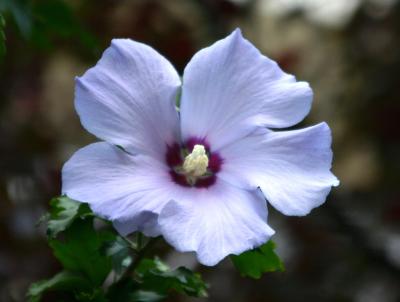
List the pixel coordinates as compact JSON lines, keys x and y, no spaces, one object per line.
{"x":196,"y":163}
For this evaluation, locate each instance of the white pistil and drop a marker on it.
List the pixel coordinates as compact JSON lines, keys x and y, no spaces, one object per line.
{"x":196,"y":163}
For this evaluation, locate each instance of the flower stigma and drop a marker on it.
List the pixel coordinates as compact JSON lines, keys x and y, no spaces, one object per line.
{"x":192,"y":164}
{"x":196,"y":163}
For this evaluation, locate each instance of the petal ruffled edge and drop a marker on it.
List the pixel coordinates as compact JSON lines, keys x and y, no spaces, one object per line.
{"x":229,"y":88}
{"x":292,"y":168}
{"x":128,"y":98}
{"x":128,"y":190}
{"x":215,"y":223}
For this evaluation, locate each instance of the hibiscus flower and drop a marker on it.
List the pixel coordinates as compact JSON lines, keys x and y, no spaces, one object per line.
{"x":200,"y":176}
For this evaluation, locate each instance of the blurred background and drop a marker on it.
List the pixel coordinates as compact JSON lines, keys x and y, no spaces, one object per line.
{"x":348,"y":50}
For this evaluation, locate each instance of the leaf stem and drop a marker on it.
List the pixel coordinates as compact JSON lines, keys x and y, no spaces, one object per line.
{"x":139,"y":241}
{"x":142,"y":249}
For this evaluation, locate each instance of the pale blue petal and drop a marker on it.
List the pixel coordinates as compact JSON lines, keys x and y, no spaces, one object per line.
{"x":216,"y":222}
{"x":129,"y":190}
{"x":292,"y":168}
{"x":146,"y":223}
{"x":230,"y":87}
{"x":128,"y":98}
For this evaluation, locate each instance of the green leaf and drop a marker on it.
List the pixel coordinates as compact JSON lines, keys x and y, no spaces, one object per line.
{"x":122,"y":290}
{"x":156,"y":276}
{"x":63,"y":212}
{"x":43,"y":22}
{"x":57,"y":14}
{"x":128,"y":290}
{"x":63,"y":281}
{"x":255,"y":262}
{"x":146,"y":296}
{"x":96,"y":295}
{"x":55,"y":18}
{"x":154,"y":281}
{"x":21,"y":12}
{"x":2,"y":37}
{"x":119,"y":251}
{"x":155,"y":265}
{"x":80,"y":250}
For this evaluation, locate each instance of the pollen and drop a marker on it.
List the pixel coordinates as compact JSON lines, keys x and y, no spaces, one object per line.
{"x":196,"y":163}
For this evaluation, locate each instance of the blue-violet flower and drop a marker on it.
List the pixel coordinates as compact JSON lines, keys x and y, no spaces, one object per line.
{"x":199,"y":176}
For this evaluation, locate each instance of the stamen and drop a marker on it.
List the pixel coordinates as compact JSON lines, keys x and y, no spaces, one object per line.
{"x":196,"y":163}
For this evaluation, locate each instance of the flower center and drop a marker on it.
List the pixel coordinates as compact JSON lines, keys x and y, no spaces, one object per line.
{"x":192,"y":164}
{"x":196,"y":163}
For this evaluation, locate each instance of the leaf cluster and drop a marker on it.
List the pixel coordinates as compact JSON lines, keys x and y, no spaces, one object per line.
{"x":99,"y":265}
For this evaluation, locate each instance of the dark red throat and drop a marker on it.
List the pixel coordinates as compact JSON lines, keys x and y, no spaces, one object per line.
{"x":174,"y":158}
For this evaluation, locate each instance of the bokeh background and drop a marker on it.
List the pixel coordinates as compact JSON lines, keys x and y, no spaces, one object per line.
{"x":348,"y":50}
